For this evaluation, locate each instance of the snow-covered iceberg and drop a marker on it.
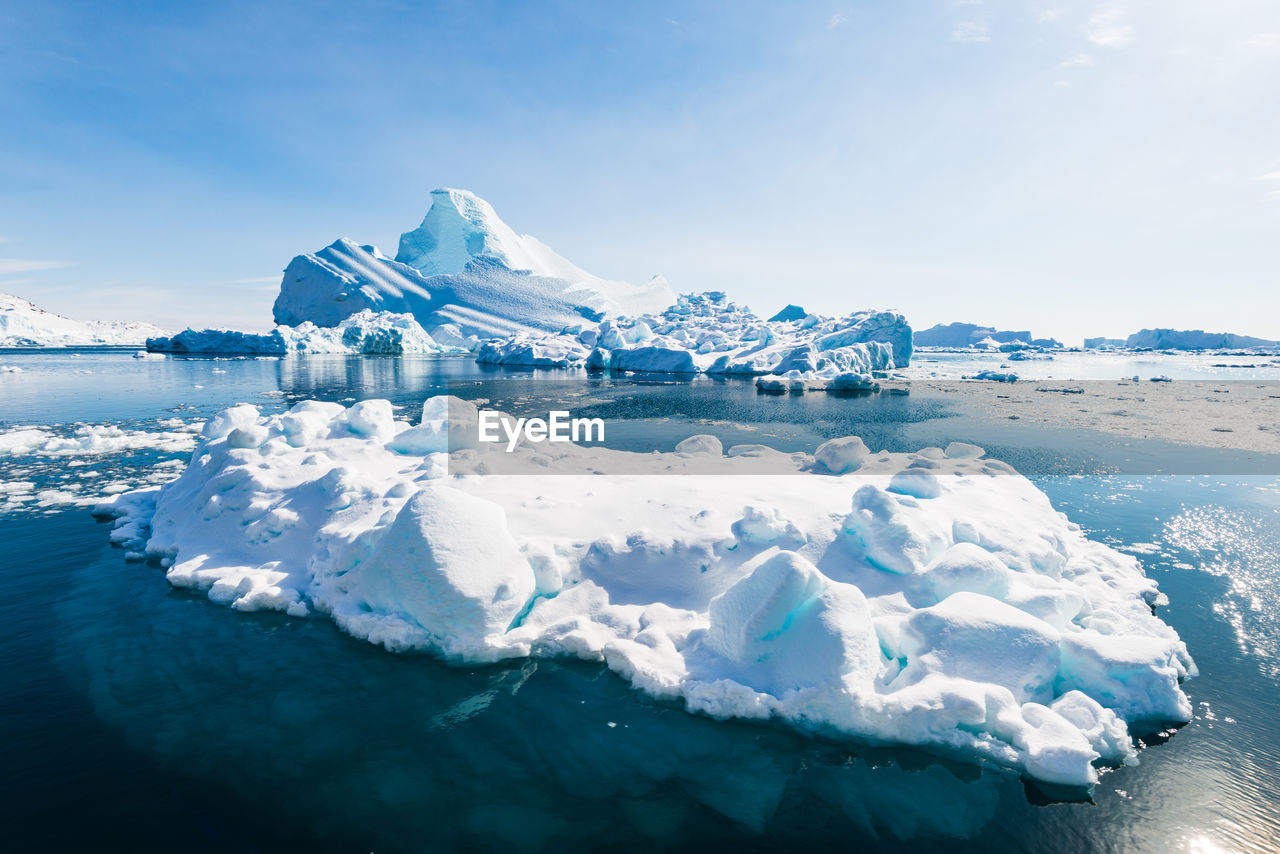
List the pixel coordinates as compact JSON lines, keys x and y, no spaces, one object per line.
{"x":933,"y":599}
{"x":965,"y":335}
{"x":708,"y":333}
{"x":1194,"y":339}
{"x":366,"y":332}
{"x":23,"y":324}
{"x":464,"y":274}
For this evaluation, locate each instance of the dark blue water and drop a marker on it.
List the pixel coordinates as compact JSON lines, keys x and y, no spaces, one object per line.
{"x":142,"y":717}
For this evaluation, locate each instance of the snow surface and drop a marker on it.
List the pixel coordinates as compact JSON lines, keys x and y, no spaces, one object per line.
{"x":708,"y":333}
{"x":365,"y":332}
{"x":933,"y":599}
{"x":464,"y":274}
{"x":23,"y":324}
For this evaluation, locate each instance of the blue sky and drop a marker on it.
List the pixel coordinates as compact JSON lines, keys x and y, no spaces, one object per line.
{"x":1073,"y":168}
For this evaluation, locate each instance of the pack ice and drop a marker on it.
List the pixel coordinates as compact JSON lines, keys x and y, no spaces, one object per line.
{"x":933,"y":599}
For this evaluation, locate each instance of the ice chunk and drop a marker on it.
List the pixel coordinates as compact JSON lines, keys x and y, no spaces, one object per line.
{"x":842,"y":455}
{"x":448,"y":564}
{"x":701,"y":444}
{"x":785,"y":626}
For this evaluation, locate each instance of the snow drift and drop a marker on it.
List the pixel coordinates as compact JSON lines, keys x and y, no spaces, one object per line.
{"x":464,"y":274}
{"x":933,"y":599}
{"x":23,"y":324}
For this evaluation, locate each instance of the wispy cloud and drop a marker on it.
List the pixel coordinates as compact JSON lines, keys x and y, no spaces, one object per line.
{"x":972,"y":32}
{"x":11,"y":266}
{"x":1080,"y":60}
{"x":836,"y":20}
{"x":1049,"y":16}
{"x":1264,"y":41}
{"x":1273,"y":179}
{"x":1108,"y":27}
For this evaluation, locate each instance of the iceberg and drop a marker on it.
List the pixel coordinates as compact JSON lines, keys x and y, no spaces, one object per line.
{"x":1194,"y":339}
{"x":365,"y":332}
{"x":965,"y":335}
{"x":464,"y":274}
{"x":708,"y":333}
{"x":934,"y":599}
{"x":23,"y":324}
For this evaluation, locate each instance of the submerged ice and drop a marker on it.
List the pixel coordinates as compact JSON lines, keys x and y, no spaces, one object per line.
{"x":933,"y":599}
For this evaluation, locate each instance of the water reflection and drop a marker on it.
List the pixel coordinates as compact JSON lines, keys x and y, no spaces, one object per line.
{"x":402,"y":751}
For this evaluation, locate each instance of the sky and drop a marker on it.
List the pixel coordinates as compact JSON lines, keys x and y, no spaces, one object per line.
{"x":1083,"y":168}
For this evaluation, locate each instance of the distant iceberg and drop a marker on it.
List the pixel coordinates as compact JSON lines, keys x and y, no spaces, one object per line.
{"x":366,"y":332}
{"x":934,"y":599}
{"x":464,"y":274}
{"x":23,"y":324}
{"x":965,"y":335}
{"x":1194,"y":339}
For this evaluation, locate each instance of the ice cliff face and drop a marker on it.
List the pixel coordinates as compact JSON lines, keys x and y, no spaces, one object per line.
{"x":23,"y":324}
{"x":463,"y":272}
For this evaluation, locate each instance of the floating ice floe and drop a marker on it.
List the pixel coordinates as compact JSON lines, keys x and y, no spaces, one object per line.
{"x":366,"y":332}
{"x":933,"y":599}
{"x":94,"y":439}
{"x":994,"y":376}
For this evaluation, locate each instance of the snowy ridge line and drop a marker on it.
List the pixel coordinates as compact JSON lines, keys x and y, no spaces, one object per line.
{"x":924,"y":602}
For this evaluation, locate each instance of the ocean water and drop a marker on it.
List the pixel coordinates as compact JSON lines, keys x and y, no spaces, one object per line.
{"x":143,"y":717}
{"x":1113,"y":365}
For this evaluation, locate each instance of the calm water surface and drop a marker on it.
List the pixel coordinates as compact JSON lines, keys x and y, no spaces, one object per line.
{"x":142,"y":717}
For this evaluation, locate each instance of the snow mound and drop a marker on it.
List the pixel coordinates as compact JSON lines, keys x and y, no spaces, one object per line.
{"x":708,"y":333}
{"x":365,"y":332}
{"x":933,"y":599}
{"x":23,"y":324}
{"x":464,"y":274}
